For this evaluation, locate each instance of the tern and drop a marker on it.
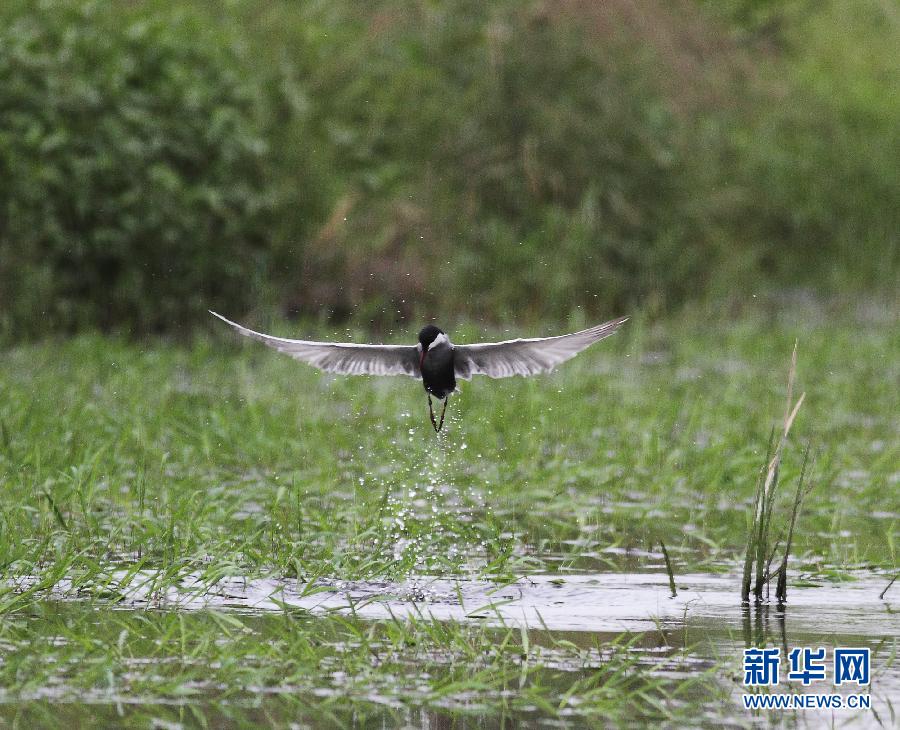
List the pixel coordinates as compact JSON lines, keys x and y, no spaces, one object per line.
{"x":436,"y":360}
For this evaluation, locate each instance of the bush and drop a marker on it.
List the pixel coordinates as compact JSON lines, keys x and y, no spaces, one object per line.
{"x":821,"y":158}
{"x":132,"y":165}
{"x":499,"y":159}
{"x":398,"y":158}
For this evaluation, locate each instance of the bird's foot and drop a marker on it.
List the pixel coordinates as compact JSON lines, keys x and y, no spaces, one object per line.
{"x":431,"y":413}
{"x":437,"y":425}
{"x":443,"y":413}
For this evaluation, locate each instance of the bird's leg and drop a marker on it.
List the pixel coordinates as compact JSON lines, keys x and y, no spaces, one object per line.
{"x":443,"y":411}
{"x":431,"y":412}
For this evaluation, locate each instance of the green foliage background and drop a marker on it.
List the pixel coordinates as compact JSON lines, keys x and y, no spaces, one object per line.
{"x":393,"y":159}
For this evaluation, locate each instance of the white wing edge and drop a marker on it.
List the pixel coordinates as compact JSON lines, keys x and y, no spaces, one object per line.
{"x":345,"y":358}
{"x":529,"y":356}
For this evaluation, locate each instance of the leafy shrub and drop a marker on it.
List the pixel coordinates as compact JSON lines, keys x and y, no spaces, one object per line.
{"x":132,"y":167}
{"x":499,"y":159}
{"x":523,"y":160}
{"x":398,"y":158}
{"x":821,"y":156}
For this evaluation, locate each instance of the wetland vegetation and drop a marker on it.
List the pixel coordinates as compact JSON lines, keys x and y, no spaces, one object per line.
{"x":196,"y":531}
{"x":147,"y":486}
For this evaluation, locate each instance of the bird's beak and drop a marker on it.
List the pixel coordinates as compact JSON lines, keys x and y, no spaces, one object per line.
{"x":422,"y":357}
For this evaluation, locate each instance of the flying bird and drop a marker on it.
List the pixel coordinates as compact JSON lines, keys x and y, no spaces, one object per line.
{"x":437,"y":360}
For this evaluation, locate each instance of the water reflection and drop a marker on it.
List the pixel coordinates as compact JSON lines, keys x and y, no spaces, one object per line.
{"x":569,"y":628}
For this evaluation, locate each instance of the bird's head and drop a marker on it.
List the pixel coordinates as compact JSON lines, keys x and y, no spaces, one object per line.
{"x":427,"y":335}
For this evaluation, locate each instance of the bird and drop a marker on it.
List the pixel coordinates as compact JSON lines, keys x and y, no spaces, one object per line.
{"x":435,"y":359}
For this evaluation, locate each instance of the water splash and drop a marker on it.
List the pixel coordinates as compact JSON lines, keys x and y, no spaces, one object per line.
{"x":433,"y":507}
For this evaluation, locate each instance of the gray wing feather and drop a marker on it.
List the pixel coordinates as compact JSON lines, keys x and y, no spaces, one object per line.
{"x":343,"y":358}
{"x":527,"y":357}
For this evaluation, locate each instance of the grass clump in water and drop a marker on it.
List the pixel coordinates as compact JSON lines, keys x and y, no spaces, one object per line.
{"x":758,"y":553}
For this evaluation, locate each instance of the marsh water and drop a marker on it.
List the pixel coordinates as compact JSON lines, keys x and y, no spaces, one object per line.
{"x":569,"y":617}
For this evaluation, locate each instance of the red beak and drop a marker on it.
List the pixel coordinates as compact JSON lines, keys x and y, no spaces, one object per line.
{"x":422,"y":358}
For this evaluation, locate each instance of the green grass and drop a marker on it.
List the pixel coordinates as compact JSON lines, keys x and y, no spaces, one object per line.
{"x":226,"y":459}
{"x":232,"y":457}
{"x":275,"y":669}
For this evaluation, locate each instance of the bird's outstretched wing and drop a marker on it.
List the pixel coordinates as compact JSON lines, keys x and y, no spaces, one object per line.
{"x":526,"y":357}
{"x":343,"y":358}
